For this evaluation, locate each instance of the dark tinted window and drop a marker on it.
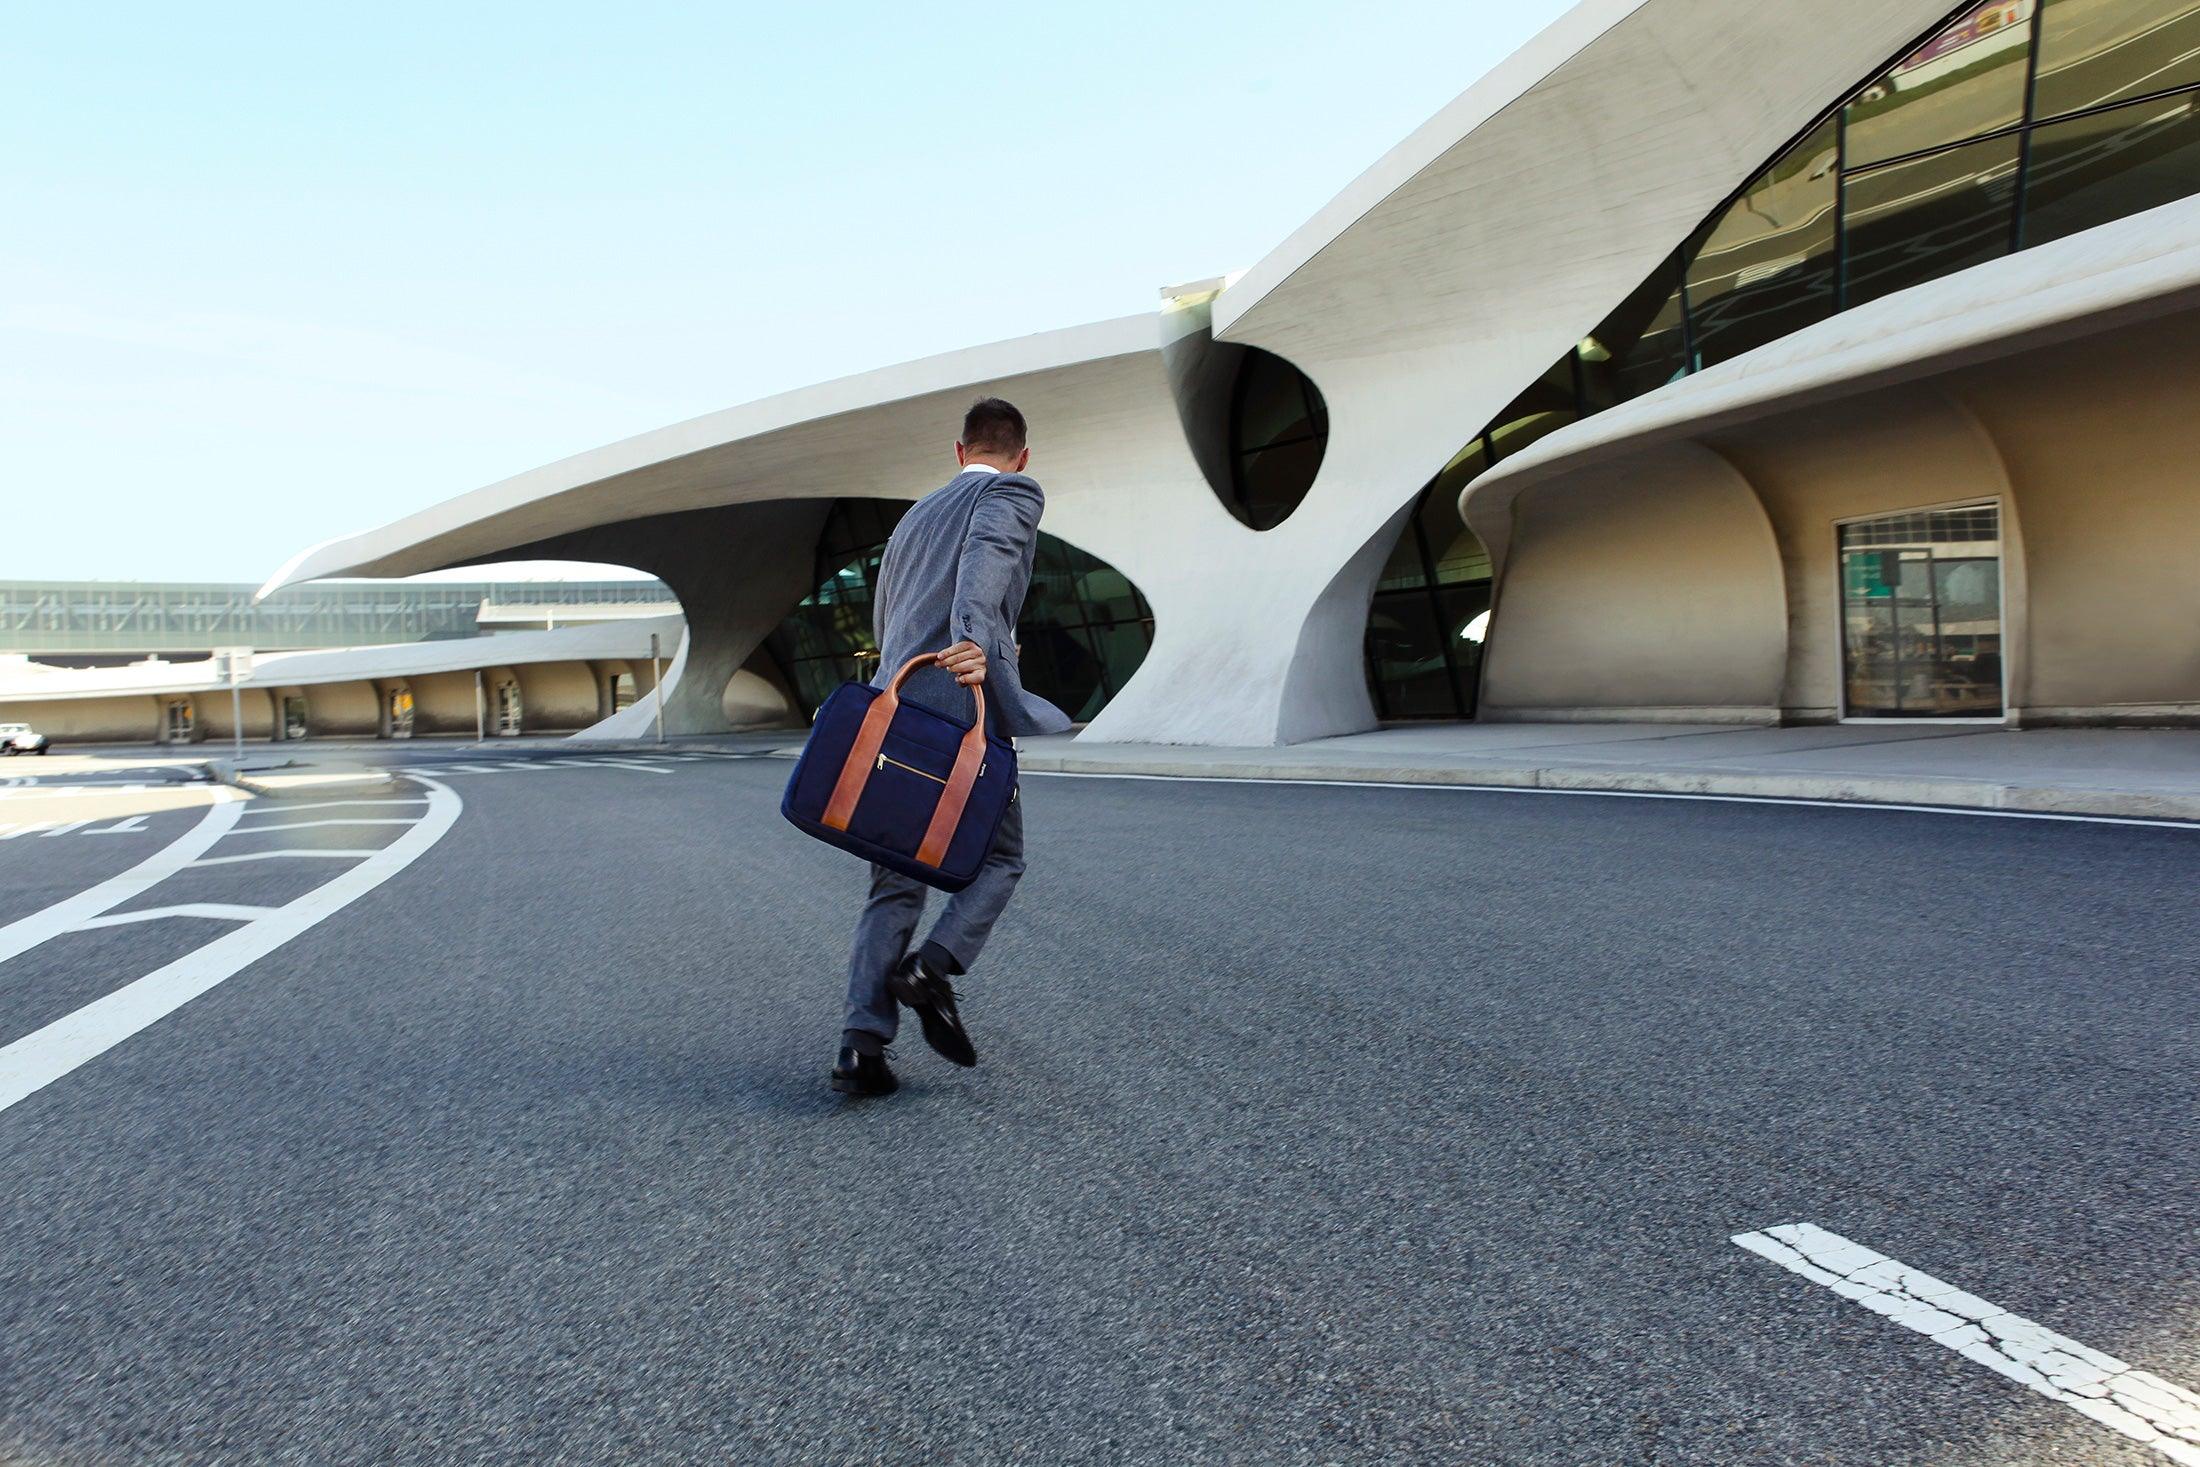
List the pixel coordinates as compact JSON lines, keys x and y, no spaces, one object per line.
{"x":2093,"y":169}
{"x":1963,"y":83}
{"x":1767,"y":267}
{"x":1278,"y":428}
{"x":2094,"y":52}
{"x":1921,"y":219}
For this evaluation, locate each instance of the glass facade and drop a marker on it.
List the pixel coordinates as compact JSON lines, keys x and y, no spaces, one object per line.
{"x":2016,"y":123}
{"x":1278,"y":429}
{"x":1921,"y":614}
{"x":1084,"y":631}
{"x":93,"y":621}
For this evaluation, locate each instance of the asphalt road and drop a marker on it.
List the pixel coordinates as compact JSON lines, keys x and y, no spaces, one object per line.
{"x":1313,"y":1125}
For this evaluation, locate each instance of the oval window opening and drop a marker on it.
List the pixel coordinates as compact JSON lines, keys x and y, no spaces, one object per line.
{"x":1279,"y":428}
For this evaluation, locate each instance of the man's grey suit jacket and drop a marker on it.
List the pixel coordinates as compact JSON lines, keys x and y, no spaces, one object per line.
{"x":956,"y":569}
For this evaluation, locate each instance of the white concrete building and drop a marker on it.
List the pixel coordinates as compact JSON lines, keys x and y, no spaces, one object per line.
{"x":503,"y":685}
{"x":1850,"y":344}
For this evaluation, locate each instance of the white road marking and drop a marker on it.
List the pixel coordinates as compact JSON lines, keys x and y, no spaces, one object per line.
{"x":633,"y":764}
{"x":217,"y":911}
{"x":286,"y":856}
{"x":2142,"y":1406}
{"x":129,"y":825}
{"x":257,"y":827}
{"x":285,"y":807}
{"x":36,"y":825}
{"x":1518,"y":789}
{"x":45,"y":1055}
{"x":65,"y":829}
{"x":26,"y":933}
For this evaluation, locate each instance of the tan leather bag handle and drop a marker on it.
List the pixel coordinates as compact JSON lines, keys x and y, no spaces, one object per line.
{"x":863,"y":758}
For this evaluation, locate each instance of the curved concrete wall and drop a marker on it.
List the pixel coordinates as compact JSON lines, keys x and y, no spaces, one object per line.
{"x":2099,"y":441}
{"x":556,"y":697}
{"x":1633,"y":548}
{"x":214,"y":722}
{"x":117,"y":720}
{"x":443,"y":703}
{"x":341,"y":710}
{"x":1648,"y":590}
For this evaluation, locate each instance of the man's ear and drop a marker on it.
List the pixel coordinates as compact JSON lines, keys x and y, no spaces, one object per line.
{"x":962,"y":454}
{"x":1022,"y":460}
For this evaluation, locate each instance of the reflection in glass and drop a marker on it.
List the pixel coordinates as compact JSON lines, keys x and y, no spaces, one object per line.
{"x":1455,"y":553}
{"x":1277,"y":431}
{"x":2093,"y":169}
{"x":1084,"y":631}
{"x":2093,"y":52}
{"x":1406,"y":654}
{"x":1964,"y":82}
{"x":1639,"y":347}
{"x":1917,"y":221}
{"x":1767,"y":267}
{"x":1921,"y":614}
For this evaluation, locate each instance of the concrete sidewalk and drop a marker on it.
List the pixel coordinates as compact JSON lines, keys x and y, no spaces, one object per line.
{"x":2134,"y":773}
{"x":2137,"y":773}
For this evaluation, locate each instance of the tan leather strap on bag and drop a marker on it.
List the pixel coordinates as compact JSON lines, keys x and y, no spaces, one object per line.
{"x":863,"y":758}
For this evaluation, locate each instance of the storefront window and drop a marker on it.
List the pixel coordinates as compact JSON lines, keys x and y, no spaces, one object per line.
{"x":1921,"y":614}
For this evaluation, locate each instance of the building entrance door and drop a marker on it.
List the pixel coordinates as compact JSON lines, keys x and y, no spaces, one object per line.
{"x":176,"y":723}
{"x":508,"y":710}
{"x":401,"y":713}
{"x":1921,"y":614}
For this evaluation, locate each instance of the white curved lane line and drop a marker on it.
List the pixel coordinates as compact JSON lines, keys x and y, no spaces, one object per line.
{"x":287,"y":808}
{"x":212,"y":911}
{"x":312,"y":855}
{"x":26,"y":933}
{"x":258,"y":826}
{"x":44,"y":1055}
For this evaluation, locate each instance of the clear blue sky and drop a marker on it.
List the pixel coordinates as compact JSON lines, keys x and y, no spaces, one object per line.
{"x":277,"y":273}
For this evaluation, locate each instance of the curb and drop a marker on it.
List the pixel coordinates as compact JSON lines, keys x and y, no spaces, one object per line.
{"x":1955,"y":794}
{"x":290,"y":780}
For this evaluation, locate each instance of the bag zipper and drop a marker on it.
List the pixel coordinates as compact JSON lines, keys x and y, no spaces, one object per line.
{"x":883,"y":761}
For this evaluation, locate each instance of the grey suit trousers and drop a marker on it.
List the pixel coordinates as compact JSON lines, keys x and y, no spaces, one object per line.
{"x":890,"y":920}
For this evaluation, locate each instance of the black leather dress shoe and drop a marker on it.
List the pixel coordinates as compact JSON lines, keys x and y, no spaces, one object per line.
{"x":863,"y":1074}
{"x":933,"y":999}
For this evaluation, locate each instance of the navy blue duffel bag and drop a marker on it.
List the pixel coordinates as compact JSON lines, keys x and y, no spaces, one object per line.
{"x":901,"y":784}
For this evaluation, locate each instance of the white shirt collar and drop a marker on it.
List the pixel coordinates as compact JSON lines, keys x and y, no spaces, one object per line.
{"x":978,"y":469}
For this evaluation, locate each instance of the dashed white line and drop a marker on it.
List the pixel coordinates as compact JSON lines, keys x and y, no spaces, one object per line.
{"x":45,"y":1055}
{"x":2138,"y":1404}
{"x":258,"y":826}
{"x":216,"y":911}
{"x":314,"y":855}
{"x":284,"y":807}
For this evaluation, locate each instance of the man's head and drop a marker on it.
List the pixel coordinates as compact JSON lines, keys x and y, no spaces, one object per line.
{"x":993,"y":435}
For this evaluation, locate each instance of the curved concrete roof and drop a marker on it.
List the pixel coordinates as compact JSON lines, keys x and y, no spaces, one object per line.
{"x":2144,"y":265}
{"x":1576,"y":163}
{"x":773,"y":448}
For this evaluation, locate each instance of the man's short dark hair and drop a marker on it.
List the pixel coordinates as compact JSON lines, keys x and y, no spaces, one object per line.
{"x":993,"y":426}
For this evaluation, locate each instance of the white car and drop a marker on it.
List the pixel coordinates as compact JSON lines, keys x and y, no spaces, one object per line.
{"x":21,"y":738}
